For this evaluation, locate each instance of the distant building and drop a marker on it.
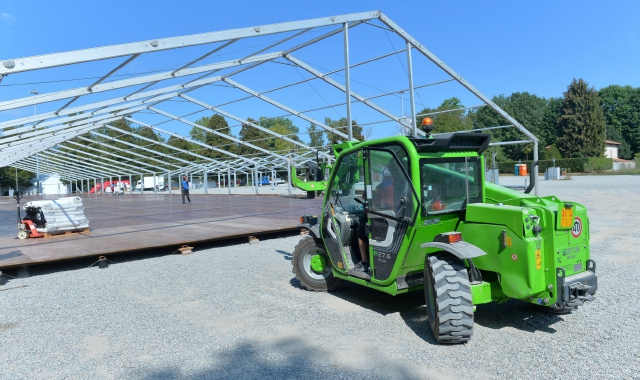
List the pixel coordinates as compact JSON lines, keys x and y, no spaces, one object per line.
{"x":49,"y":184}
{"x":611,"y":148}
{"x":611,"y":151}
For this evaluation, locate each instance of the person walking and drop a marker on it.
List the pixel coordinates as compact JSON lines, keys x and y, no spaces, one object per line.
{"x":185,"y":189}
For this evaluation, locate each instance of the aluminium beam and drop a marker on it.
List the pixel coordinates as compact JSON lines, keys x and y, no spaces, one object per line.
{"x":123,"y":83}
{"x":433,"y":58}
{"x":228,"y":137}
{"x":247,"y":122}
{"x":139,"y":147}
{"x":101,"y":158}
{"x":52,"y":167}
{"x":160,"y":143}
{"x":188,"y":139}
{"x":12,"y":66}
{"x":81,"y":161}
{"x":64,"y":161}
{"x":126,"y":151}
{"x":282,"y":106}
{"x":342,"y":88}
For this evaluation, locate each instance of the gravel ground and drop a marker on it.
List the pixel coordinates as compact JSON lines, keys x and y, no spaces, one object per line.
{"x":236,"y":311}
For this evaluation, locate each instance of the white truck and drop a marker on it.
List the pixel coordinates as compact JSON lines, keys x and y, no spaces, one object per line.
{"x":149,"y":183}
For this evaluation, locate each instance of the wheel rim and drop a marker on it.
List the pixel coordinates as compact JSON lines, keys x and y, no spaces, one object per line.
{"x":312,"y":259}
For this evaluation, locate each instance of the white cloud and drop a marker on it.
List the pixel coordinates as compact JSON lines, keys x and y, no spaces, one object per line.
{"x":7,"y":19}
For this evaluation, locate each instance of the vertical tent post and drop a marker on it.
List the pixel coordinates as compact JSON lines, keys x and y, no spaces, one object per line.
{"x":414,"y":129}
{"x":169,"y":179}
{"x":141,"y":184}
{"x":347,"y":79}
{"x":154,"y":182}
{"x":206,"y":184}
{"x":289,"y":176}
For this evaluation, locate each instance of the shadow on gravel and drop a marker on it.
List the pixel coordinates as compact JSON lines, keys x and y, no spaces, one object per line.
{"x":411,"y":307}
{"x":285,"y":359}
{"x":515,"y":314}
{"x":287,"y":255}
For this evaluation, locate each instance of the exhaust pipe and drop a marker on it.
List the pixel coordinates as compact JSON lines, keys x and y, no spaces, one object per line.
{"x":532,"y":178}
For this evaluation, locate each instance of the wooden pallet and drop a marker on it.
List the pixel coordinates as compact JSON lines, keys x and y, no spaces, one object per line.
{"x":60,"y":233}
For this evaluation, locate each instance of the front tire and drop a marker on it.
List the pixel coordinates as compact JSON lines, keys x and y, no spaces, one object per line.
{"x":449,"y":301}
{"x":23,"y":235}
{"x":311,"y":194}
{"x":312,"y":279}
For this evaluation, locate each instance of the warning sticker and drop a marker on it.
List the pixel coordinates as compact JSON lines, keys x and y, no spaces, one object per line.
{"x":576,"y":230}
{"x":538,"y":259}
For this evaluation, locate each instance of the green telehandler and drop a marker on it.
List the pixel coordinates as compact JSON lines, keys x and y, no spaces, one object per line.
{"x":405,"y":214}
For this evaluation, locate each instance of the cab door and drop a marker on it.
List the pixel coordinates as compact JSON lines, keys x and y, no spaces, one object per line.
{"x":392,"y":206}
{"x":340,"y":210}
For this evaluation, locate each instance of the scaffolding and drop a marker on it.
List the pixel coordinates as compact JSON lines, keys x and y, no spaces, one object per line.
{"x":79,"y":135}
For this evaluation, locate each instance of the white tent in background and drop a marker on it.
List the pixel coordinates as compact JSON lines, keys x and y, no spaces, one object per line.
{"x":49,"y":184}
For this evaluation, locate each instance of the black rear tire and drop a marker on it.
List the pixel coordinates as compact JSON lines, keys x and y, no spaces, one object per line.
{"x":309,"y":278}
{"x":311,"y":194}
{"x":449,"y":301}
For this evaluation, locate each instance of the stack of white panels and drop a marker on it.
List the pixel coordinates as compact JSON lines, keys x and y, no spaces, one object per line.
{"x":63,"y":214}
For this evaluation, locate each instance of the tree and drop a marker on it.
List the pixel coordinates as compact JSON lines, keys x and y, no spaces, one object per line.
{"x":316,"y":138}
{"x":8,"y":179}
{"x":219,"y":124}
{"x":621,"y":107}
{"x":254,"y":136}
{"x":341,"y":125}
{"x":448,"y":121}
{"x":534,"y":113}
{"x":624,"y":150}
{"x":581,"y":123}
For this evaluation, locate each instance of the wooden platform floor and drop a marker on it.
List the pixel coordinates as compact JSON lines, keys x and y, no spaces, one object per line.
{"x":133,"y":222}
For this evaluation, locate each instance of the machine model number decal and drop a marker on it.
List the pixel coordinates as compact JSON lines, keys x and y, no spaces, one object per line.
{"x":576,"y":230}
{"x":538,"y":259}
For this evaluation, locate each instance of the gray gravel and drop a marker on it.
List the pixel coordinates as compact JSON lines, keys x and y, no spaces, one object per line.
{"x":236,"y":311}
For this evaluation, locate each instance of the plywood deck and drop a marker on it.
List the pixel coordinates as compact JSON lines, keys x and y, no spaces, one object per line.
{"x":133,"y":222}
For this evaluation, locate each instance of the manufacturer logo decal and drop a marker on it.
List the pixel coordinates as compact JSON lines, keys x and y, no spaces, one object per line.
{"x":514,"y":257}
{"x":576,"y":230}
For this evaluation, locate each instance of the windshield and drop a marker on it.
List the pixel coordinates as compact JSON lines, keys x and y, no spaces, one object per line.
{"x":449,"y":184}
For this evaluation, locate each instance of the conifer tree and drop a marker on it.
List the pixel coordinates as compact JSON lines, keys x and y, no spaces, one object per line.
{"x":581,"y":124}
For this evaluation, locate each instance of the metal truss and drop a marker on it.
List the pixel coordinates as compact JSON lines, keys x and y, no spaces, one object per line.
{"x":69,"y":137}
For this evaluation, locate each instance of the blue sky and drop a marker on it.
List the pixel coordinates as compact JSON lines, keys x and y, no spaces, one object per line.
{"x":500,"y":47}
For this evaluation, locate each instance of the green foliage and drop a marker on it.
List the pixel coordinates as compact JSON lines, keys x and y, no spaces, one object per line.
{"x":536,"y":114}
{"x":624,"y":150}
{"x":573,"y":165}
{"x":316,"y":138}
{"x":621,"y":106}
{"x":581,"y":123}
{"x":599,"y":164}
{"x":341,"y":125}
{"x":218,"y":124}
{"x":8,"y":179}
{"x":453,"y":121}
{"x":254,"y":136}
{"x":552,"y":152}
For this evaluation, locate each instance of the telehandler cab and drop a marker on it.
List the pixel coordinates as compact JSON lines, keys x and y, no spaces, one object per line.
{"x":433,"y":223}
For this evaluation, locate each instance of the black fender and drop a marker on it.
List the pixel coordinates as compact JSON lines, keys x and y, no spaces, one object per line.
{"x":314,"y":229}
{"x":460,"y":249}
